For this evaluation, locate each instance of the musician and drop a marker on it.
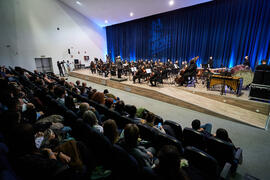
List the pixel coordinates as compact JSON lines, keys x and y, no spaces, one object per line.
{"x":190,"y":71}
{"x":93,"y":67}
{"x":210,"y":62}
{"x":263,"y":66}
{"x":246,"y":62}
{"x":119,"y":66}
{"x":154,"y":77}
{"x":138,"y":75}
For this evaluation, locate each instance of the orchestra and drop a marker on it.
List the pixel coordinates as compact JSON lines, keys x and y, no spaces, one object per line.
{"x":151,"y":71}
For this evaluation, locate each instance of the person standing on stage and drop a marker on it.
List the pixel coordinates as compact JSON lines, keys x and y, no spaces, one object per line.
{"x":63,"y":66}
{"x":60,"y":69}
{"x":246,"y":62}
{"x":210,"y":62}
{"x":68,"y":66}
{"x":119,"y":66}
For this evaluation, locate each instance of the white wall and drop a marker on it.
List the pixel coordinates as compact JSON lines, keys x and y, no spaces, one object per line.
{"x":28,"y":29}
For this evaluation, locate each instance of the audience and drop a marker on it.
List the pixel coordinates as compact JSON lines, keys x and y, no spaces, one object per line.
{"x":205,"y":129}
{"x":45,"y":149}
{"x":90,"y":118}
{"x":130,"y":144}
{"x":168,"y":167}
{"x":111,"y":130}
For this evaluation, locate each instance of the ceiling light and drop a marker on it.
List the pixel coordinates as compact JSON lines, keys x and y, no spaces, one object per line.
{"x":79,"y":3}
{"x":106,"y":21}
{"x":171,"y":2}
{"x":131,"y":14}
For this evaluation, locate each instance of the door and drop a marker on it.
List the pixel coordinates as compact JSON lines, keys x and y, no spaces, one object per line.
{"x":44,"y":65}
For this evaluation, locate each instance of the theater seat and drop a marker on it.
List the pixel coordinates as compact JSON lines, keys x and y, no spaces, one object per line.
{"x":224,"y":152}
{"x":177,"y":128}
{"x":124,"y":166}
{"x":194,"y":138}
{"x":206,"y":164}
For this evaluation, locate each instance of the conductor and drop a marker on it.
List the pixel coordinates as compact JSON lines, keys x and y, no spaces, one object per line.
{"x":119,"y":66}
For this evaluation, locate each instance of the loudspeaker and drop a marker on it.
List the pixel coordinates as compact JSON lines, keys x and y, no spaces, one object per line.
{"x":68,"y":51}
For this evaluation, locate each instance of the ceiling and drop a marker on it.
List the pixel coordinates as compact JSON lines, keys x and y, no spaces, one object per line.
{"x":118,"y":11}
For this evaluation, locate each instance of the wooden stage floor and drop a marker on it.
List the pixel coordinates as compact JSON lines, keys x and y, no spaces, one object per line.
{"x":238,"y":109}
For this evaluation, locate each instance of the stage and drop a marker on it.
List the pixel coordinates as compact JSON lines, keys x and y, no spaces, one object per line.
{"x":239,"y":109}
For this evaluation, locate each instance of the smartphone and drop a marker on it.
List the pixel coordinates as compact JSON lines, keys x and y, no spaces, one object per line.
{"x":159,"y":125}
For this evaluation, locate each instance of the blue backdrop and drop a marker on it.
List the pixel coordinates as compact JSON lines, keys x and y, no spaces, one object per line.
{"x":228,"y":30}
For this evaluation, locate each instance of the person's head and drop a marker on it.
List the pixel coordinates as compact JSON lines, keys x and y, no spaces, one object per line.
{"x":120,"y":106}
{"x":150,"y":118}
{"x":78,"y":83}
{"x":99,"y":98}
{"x":69,"y":102}
{"x":222,"y":134}
{"x":246,"y":57}
{"x":196,"y":124}
{"x":60,"y":92}
{"x":131,"y":110}
{"x":24,"y":140}
{"x":90,"y":118}
{"x":169,"y":158}
{"x":110,"y":130}
{"x":131,"y":134}
{"x":51,"y":87}
{"x":84,"y":107}
{"x":106,"y":91}
{"x":211,"y":57}
{"x":109,"y":102}
{"x":264,"y":61}
{"x":84,"y":84}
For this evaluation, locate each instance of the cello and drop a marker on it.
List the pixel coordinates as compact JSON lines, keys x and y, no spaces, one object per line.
{"x":180,"y":78}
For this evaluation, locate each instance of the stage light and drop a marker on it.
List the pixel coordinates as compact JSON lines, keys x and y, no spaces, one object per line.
{"x":131,"y":14}
{"x":171,"y":2}
{"x":106,"y":21}
{"x":79,"y":3}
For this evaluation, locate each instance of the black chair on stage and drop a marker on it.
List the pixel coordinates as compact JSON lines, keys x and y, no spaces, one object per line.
{"x":177,"y":128}
{"x":266,"y":78}
{"x":258,"y":77}
{"x":194,"y":138}
{"x":224,"y":152}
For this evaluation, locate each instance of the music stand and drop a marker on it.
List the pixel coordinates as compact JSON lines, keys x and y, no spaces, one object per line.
{"x":148,"y":71}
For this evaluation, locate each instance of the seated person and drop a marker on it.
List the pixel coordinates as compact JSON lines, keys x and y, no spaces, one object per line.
{"x":32,"y":163}
{"x":90,"y":118}
{"x":120,"y":108}
{"x":190,"y":71}
{"x":154,"y":77}
{"x":111,"y":130}
{"x":132,"y":110}
{"x":263,"y":66}
{"x":130,"y":144}
{"x":138,"y":75}
{"x":168,"y":167}
{"x":223,"y":135}
{"x":150,"y":121}
{"x":205,"y":129}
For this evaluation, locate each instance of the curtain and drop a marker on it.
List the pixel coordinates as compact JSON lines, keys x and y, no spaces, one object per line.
{"x":227,"y":30}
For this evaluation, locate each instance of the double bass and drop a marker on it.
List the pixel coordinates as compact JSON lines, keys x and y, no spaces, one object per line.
{"x":180,"y":78}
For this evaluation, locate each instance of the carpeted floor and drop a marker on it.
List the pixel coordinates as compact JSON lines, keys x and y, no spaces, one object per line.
{"x":254,"y":142}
